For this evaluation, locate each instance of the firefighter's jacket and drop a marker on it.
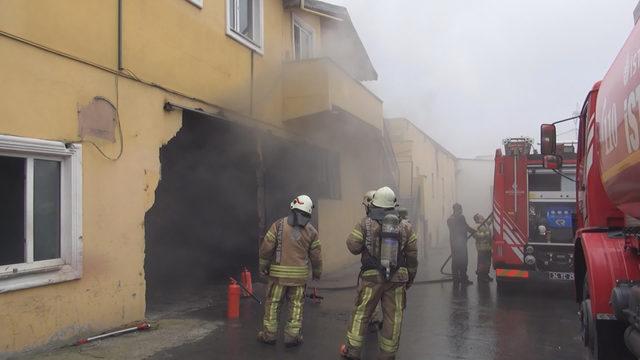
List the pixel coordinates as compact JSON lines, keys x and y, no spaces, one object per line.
{"x":286,"y":251}
{"x":408,"y":249}
{"x":483,"y":238}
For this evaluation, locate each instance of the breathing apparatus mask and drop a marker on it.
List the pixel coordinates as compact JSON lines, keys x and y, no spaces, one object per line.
{"x":298,"y":218}
{"x":390,"y":235}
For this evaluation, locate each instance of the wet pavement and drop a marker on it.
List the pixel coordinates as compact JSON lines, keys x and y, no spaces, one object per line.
{"x":441,"y":323}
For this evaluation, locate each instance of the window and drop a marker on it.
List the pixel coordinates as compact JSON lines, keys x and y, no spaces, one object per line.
{"x":40,"y":212}
{"x":544,"y":182}
{"x":302,"y":39}
{"x":244,"y":22}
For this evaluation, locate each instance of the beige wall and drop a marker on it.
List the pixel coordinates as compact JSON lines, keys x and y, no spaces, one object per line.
{"x":184,"y":49}
{"x":116,"y":194}
{"x":428,"y":167}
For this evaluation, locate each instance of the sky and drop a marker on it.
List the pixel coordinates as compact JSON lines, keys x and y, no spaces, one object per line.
{"x":471,"y":73}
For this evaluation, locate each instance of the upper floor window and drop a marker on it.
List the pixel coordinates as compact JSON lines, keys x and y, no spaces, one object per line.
{"x":302,"y":39}
{"x":40,"y":212}
{"x":244,"y":22}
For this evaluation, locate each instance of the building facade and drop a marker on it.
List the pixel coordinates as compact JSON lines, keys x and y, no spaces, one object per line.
{"x":427,"y":181}
{"x":148,"y":144}
{"x":474,"y":185}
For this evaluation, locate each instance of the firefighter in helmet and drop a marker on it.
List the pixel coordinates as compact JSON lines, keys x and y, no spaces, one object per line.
{"x":285,"y":253}
{"x":458,"y":236}
{"x":403,"y":213}
{"x":388,"y":249}
{"x":366,"y":200}
{"x":483,"y":245}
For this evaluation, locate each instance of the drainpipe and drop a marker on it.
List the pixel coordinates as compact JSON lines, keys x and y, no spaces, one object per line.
{"x":303,"y":8}
{"x":120,"y":67}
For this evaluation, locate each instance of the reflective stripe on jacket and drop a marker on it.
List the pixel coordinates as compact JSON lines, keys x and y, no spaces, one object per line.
{"x":300,"y":248}
{"x":483,"y":238}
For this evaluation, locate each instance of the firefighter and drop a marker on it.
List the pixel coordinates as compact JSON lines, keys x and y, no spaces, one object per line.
{"x":388,"y":249}
{"x":403,"y":213}
{"x":483,"y":246}
{"x":375,"y":323}
{"x":366,"y":200}
{"x":285,"y":253}
{"x":458,"y":235}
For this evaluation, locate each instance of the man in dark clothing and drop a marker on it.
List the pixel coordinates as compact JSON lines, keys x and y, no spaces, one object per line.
{"x":459,"y":232}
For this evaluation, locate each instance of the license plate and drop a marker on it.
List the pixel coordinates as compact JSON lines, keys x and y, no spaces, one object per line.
{"x":560,"y":275}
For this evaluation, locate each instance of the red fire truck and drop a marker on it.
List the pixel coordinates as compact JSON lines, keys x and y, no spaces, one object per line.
{"x":533,"y":210}
{"x":607,"y":246}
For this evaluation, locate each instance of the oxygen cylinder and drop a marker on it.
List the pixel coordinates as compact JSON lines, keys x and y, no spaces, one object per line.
{"x":390,"y":244}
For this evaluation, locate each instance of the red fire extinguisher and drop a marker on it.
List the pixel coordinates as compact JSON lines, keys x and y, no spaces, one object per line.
{"x":245,"y":279}
{"x":233,"y":300}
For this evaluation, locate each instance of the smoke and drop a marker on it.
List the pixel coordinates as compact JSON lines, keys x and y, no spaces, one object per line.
{"x":472,"y":73}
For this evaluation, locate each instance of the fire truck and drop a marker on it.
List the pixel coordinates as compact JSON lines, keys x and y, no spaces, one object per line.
{"x":607,"y":245}
{"x":533,"y":211}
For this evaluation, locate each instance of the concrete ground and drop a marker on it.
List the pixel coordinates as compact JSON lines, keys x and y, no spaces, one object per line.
{"x":441,"y":323}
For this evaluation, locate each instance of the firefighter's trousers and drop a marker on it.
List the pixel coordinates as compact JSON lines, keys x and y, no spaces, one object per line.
{"x":275,"y":295}
{"x":392,"y":296}
{"x":484,"y":263}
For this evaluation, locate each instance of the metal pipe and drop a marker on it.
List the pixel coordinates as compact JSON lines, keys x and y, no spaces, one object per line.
{"x":120,"y":67}
{"x":143,"y":326}
{"x":169,"y":106}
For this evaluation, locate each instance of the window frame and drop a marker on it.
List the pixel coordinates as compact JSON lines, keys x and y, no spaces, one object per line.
{"x":258,"y":25}
{"x":69,"y":266}
{"x":298,"y":21}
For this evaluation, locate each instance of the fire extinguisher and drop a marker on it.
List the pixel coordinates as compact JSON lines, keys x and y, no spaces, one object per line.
{"x":245,"y":279}
{"x":233,"y":300}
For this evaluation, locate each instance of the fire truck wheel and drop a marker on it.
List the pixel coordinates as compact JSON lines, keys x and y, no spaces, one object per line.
{"x":604,"y":338}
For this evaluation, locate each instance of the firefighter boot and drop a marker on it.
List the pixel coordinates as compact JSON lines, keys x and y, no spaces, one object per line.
{"x":266,"y":338}
{"x":349,"y":352}
{"x":464,"y":280}
{"x":292,"y":341}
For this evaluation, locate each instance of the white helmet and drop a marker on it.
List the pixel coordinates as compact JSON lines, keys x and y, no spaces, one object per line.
{"x":368,"y":196}
{"x":384,"y":198}
{"x":302,"y":203}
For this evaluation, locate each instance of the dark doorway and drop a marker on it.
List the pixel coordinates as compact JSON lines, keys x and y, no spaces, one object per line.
{"x":222,"y":184}
{"x":203,"y":224}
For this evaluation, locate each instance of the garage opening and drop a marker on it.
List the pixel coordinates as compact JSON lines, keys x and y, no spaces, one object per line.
{"x":204,"y":220}
{"x":222,"y":184}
